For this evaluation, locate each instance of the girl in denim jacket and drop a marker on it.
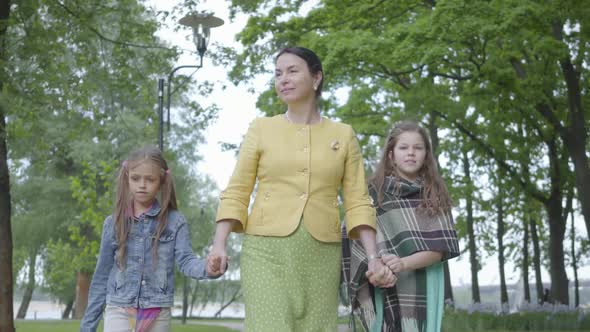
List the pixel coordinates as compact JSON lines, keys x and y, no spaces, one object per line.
{"x":140,"y":241}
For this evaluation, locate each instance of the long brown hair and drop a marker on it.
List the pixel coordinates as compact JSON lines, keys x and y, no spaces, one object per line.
{"x":434,"y":194}
{"x":123,"y":200}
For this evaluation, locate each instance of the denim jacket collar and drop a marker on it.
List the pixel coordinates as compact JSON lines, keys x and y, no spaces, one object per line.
{"x":154,"y":209}
{"x":152,"y":212}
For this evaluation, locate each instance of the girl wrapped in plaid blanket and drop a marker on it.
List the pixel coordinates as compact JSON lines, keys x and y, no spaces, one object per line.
{"x":415,"y":233}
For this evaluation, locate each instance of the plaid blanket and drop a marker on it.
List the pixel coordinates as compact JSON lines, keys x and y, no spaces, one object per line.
{"x":402,"y":230}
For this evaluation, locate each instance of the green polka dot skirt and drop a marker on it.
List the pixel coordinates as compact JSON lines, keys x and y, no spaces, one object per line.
{"x":290,"y":283}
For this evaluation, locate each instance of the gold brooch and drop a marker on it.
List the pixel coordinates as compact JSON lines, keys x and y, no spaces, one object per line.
{"x":335,"y":145}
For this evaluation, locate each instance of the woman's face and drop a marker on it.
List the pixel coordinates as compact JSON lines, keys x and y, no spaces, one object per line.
{"x":293,"y":81}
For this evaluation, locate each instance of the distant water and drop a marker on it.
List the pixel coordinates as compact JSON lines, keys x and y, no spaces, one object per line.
{"x":51,"y":310}
{"x":43,"y":309}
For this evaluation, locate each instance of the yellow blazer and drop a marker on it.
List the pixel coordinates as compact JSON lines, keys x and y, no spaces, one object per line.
{"x":300,"y":169}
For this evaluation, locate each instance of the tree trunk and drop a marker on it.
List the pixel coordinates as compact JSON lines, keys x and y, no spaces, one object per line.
{"x":68,"y":310}
{"x":82,"y":288}
{"x":577,"y":149}
{"x":24,"y":304}
{"x":193,"y":297}
{"x":525,"y":265}
{"x":500,"y":239}
{"x":449,"y":299}
{"x":234,"y":297}
{"x":527,"y":212}
{"x":185,"y":291}
{"x":6,"y":290}
{"x":470,"y":233}
{"x":559,"y":282}
{"x":575,"y":264}
{"x":575,"y":135}
{"x":536,"y":260}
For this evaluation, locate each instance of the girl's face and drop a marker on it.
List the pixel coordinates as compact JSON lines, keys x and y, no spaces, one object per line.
{"x":144,"y":182}
{"x":293,"y":80}
{"x":408,"y":155}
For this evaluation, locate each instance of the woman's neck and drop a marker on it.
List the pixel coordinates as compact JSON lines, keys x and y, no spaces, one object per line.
{"x":409,"y":178}
{"x":303,"y":113}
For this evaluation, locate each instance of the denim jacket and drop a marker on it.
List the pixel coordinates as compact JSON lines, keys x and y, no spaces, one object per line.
{"x":139,"y":284}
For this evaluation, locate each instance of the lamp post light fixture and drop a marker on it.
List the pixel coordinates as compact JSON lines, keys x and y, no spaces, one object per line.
{"x":201,"y":23}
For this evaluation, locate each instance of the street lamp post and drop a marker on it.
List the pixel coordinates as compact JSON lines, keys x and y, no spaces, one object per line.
{"x":201,"y":23}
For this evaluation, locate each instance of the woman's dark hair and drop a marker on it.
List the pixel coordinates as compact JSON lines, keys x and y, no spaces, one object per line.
{"x":313,"y":62}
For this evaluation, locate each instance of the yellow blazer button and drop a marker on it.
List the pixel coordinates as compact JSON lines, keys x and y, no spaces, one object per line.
{"x":335,"y":203}
{"x":303,"y":196}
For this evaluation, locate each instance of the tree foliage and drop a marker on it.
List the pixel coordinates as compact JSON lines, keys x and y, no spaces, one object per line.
{"x":79,"y":92}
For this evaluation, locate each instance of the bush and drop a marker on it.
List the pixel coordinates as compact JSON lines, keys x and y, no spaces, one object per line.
{"x":546,"y":318}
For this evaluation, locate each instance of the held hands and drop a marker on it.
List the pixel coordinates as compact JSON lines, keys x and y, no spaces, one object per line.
{"x":379,"y":274}
{"x":394,"y":263}
{"x":217,"y":261}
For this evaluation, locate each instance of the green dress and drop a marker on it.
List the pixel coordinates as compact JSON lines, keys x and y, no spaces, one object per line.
{"x":290,"y":283}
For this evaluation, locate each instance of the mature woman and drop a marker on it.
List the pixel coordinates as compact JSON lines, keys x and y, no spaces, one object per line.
{"x":290,"y":263}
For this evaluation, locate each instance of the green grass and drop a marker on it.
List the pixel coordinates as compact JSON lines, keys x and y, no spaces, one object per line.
{"x":461,"y":321}
{"x":74,"y":326}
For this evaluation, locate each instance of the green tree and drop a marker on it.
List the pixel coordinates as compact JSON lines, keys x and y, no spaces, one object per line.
{"x":59,"y":274}
{"x":6,"y":288}
{"x":79,"y":81}
{"x":37,"y":218}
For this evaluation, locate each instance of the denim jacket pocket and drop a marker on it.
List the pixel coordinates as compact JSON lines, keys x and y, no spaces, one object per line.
{"x":119,"y":279}
{"x":165,"y":258}
{"x":119,"y":274}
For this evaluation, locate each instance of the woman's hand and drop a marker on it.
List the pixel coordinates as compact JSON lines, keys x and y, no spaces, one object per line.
{"x":417,"y":260}
{"x":217,"y":260}
{"x":394,"y":263}
{"x":380,"y":275}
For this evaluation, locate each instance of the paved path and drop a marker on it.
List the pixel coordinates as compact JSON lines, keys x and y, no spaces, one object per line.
{"x":239,"y":326}
{"x":236,"y":326}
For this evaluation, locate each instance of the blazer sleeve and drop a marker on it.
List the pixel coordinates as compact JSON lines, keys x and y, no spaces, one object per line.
{"x":235,"y":199}
{"x":357,"y":205}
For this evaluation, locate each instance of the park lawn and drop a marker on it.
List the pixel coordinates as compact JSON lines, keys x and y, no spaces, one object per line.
{"x":74,"y":326}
